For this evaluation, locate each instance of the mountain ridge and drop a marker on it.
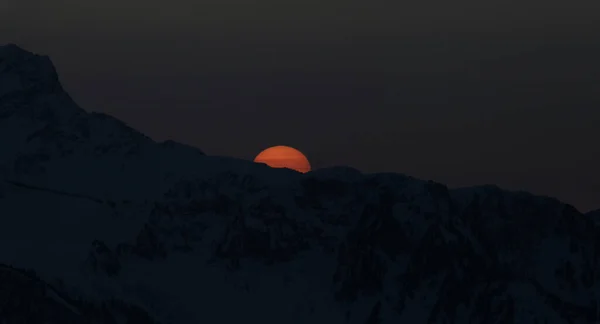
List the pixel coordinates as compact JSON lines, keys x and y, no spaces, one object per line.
{"x":154,"y":232}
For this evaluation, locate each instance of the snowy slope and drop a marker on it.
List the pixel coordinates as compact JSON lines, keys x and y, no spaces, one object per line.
{"x":120,"y":228}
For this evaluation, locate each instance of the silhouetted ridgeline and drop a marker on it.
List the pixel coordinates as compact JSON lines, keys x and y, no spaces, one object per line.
{"x":100,"y":224}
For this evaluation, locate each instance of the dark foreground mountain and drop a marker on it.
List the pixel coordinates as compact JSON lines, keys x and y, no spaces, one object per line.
{"x":595,"y":216}
{"x":100,"y":224}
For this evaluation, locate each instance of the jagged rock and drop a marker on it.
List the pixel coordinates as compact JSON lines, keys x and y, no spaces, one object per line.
{"x":180,"y":237}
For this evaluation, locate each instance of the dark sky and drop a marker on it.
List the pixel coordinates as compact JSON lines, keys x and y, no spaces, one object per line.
{"x":463,"y":92}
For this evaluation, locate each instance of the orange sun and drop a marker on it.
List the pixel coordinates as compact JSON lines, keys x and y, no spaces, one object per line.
{"x":284,"y":157}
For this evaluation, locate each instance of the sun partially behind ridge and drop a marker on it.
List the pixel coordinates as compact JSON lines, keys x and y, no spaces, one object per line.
{"x":282,"y":156}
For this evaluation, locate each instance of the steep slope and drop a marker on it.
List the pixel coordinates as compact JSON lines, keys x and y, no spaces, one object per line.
{"x":121,"y":226}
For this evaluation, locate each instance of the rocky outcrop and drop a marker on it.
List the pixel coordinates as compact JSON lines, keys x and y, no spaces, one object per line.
{"x":141,"y":232}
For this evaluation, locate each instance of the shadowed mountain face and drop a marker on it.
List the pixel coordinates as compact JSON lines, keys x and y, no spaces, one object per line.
{"x":594,"y":215}
{"x":100,"y":224}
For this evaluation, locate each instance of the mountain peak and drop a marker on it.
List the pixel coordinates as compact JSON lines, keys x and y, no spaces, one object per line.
{"x":9,"y":48}
{"x":24,"y":74}
{"x":100,"y":223}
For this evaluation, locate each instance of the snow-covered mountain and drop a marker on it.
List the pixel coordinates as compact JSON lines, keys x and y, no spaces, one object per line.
{"x":100,"y":224}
